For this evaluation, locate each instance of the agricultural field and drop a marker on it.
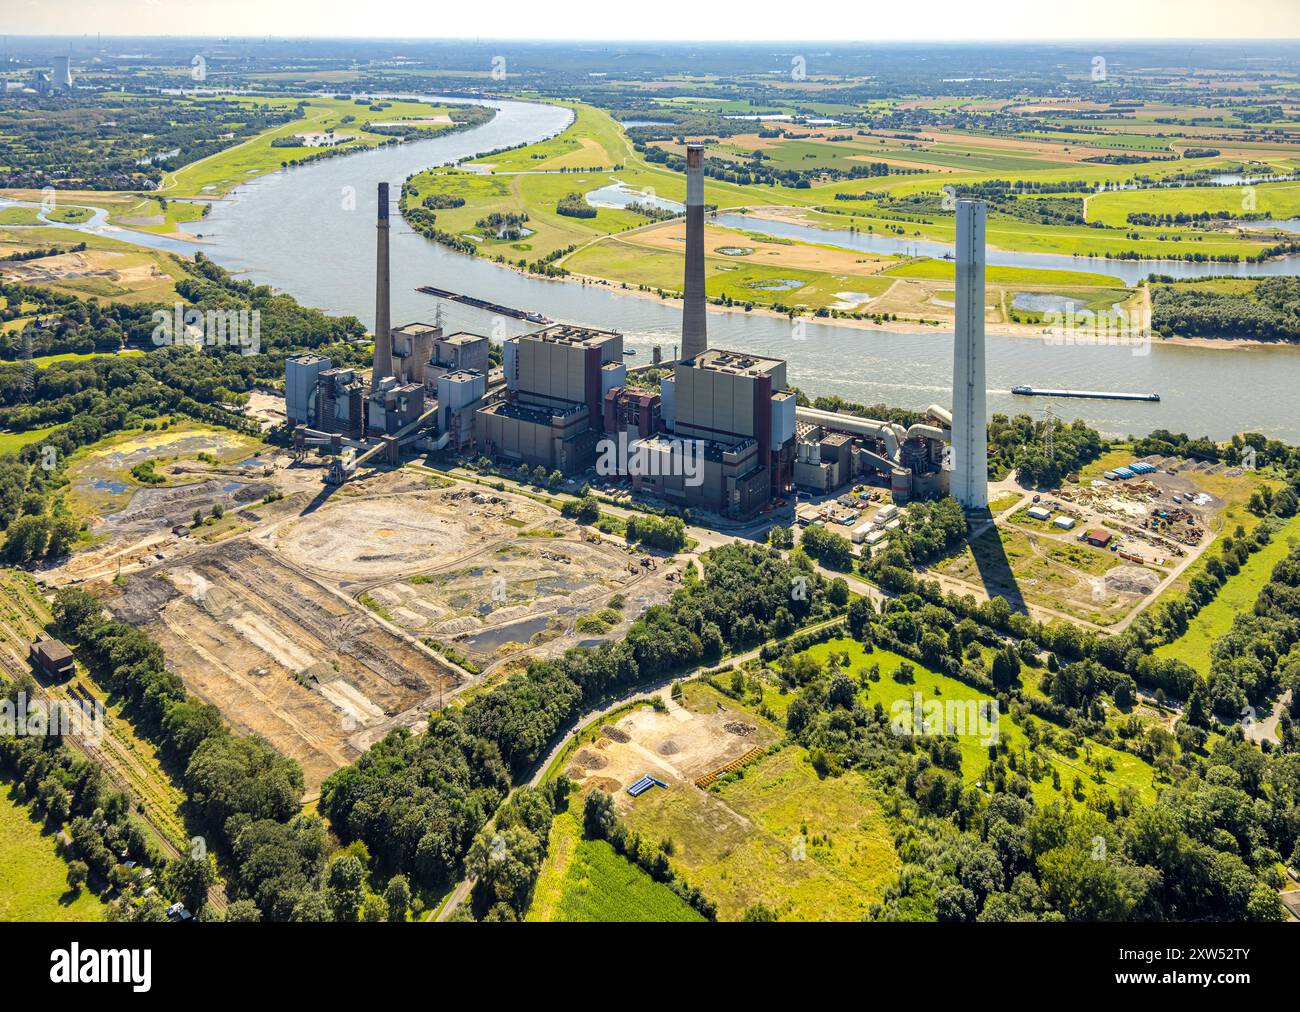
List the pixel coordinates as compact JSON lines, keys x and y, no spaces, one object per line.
{"x":1235,"y":597}
{"x":587,"y":880}
{"x":33,"y":885}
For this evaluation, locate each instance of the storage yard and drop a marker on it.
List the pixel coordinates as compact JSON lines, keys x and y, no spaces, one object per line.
{"x":1100,"y":548}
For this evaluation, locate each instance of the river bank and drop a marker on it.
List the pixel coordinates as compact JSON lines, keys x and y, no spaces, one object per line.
{"x":288,"y":229}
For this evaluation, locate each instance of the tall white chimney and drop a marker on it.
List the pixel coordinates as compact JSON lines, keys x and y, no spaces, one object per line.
{"x":695,"y":336}
{"x":969,"y":482}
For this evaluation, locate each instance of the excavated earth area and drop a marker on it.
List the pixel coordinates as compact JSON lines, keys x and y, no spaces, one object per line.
{"x":281,"y":655}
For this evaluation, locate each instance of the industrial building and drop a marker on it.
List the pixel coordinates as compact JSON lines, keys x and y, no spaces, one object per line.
{"x":61,"y":74}
{"x":723,"y":433}
{"x":52,"y":658}
{"x":423,"y":386}
{"x":833,"y":449}
{"x":557,"y":381}
{"x":736,"y":413}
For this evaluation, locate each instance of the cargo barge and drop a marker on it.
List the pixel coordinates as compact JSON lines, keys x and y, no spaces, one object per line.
{"x":491,"y":307}
{"x":1101,"y":395}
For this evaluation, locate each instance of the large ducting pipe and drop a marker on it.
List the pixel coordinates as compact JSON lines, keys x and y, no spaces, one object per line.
{"x":969,"y":483}
{"x":695,"y":338}
{"x":383,"y":327}
{"x":888,"y":432}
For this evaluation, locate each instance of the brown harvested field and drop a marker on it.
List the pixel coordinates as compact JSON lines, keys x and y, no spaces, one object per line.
{"x":281,"y":655}
{"x":671,"y":235}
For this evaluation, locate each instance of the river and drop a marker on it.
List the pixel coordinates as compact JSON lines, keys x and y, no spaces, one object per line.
{"x":310,"y":231}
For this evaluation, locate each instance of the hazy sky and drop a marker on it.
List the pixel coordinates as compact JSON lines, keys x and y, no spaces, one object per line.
{"x":849,"y":20}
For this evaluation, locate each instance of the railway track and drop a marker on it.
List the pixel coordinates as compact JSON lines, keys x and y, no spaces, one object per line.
{"x":20,"y":624}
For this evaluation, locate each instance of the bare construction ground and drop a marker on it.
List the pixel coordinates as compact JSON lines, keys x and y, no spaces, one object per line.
{"x":678,"y":746}
{"x":281,"y":655}
{"x":399,"y":527}
{"x":528,"y":591}
{"x":489,"y":573}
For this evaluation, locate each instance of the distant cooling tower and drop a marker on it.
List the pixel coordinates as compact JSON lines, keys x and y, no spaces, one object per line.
{"x":695,"y":337}
{"x":383,"y":366}
{"x":969,"y":483}
{"x":61,"y":75}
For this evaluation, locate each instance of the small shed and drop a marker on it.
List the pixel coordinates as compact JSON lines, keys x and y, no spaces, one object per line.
{"x":1099,"y":538}
{"x":52,"y":658}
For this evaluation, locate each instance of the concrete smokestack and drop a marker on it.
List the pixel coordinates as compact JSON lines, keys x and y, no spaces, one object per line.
{"x":969,"y":483}
{"x":383,"y":327}
{"x":695,"y":337}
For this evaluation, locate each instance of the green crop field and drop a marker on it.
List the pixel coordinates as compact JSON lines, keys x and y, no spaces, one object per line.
{"x":587,"y":880}
{"x":1113,"y":207}
{"x":33,"y":878}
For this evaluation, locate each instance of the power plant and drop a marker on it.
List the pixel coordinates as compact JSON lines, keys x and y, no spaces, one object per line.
{"x":61,"y":74}
{"x":722,"y":433}
{"x":335,"y":411}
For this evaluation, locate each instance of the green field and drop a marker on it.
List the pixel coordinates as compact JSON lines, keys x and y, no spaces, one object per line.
{"x":1128,"y":770}
{"x":810,"y":849}
{"x":587,"y":880}
{"x":946,"y":270}
{"x":222,"y":172}
{"x":1235,"y":597}
{"x":75,"y":356}
{"x":33,"y":878}
{"x":1113,"y":207}
{"x":12,"y":442}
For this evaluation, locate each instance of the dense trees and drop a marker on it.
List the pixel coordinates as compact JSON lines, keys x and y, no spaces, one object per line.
{"x":1268,"y":311}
